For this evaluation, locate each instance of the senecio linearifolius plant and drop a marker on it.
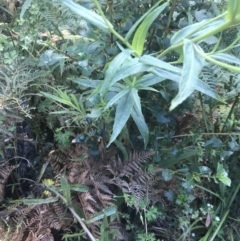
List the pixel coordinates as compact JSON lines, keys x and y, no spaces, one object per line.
{"x":134,"y":69}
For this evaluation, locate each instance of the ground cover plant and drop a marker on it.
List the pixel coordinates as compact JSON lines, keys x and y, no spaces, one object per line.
{"x":119,"y":120}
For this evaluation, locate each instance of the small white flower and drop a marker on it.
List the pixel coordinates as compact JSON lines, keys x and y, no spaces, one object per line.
{"x":217,"y":219}
{"x":193,"y":234}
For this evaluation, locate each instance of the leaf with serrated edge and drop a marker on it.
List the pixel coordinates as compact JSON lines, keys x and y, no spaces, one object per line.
{"x":192,"y":65}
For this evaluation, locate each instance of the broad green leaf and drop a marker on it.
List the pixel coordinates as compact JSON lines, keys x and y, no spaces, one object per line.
{"x":66,"y":190}
{"x":141,"y":124}
{"x":88,"y":15}
{"x":123,"y":111}
{"x":132,"y":29}
{"x":226,"y":58}
{"x":205,"y":170}
{"x":25,"y":6}
{"x":225,"y":180}
{"x":49,"y":58}
{"x":192,"y":65}
{"x":222,"y":175}
{"x":105,"y":212}
{"x":112,"y":69}
{"x":141,"y":33}
{"x":95,"y":113}
{"x":38,"y":201}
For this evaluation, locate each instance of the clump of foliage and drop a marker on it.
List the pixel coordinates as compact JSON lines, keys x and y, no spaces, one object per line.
{"x":122,"y":116}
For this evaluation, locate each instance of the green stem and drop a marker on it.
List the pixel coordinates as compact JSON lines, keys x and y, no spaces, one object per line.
{"x":231,"y":111}
{"x":214,"y":61}
{"x":170,"y":17}
{"x":116,"y":34}
{"x":203,"y":112}
{"x":205,"y":134}
{"x":207,"y":190}
{"x":72,"y":211}
{"x":232,"y":197}
{"x":230,"y":46}
{"x":190,"y":228}
{"x":219,"y":226}
{"x":199,"y":38}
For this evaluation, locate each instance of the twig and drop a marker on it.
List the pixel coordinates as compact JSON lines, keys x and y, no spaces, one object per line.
{"x":73,"y":212}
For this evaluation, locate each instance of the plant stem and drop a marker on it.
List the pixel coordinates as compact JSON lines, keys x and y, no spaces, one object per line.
{"x":205,"y":134}
{"x":169,"y":18}
{"x":203,"y":36}
{"x":117,"y":35}
{"x":73,"y":212}
{"x":214,"y":61}
{"x":203,"y":112}
{"x":231,"y":111}
{"x":219,"y":226}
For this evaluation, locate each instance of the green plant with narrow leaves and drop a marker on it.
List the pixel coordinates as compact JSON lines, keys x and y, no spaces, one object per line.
{"x":132,"y":71}
{"x":110,"y":70}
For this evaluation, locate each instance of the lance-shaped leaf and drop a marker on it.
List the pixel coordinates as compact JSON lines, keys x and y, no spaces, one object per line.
{"x":116,"y":98}
{"x":129,"y":68}
{"x":133,"y":28}
{"x":201,"y":86}
{"x":141,"y":33}
{"x":37,"y":201}
{"x":25,"y":6}
{"x":141,"y":124}
{"x":89,"y":15}
{"x":123,"y":112}
{"x":105,"y":212}
{"x":226,"y":57}
{"x":49,"y":58}
{"x":66,"y":190}
{"x":152,"y":61}
{"x":192,"y":65}
{"x":111,"y":71}
{"x":195,"y":30}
